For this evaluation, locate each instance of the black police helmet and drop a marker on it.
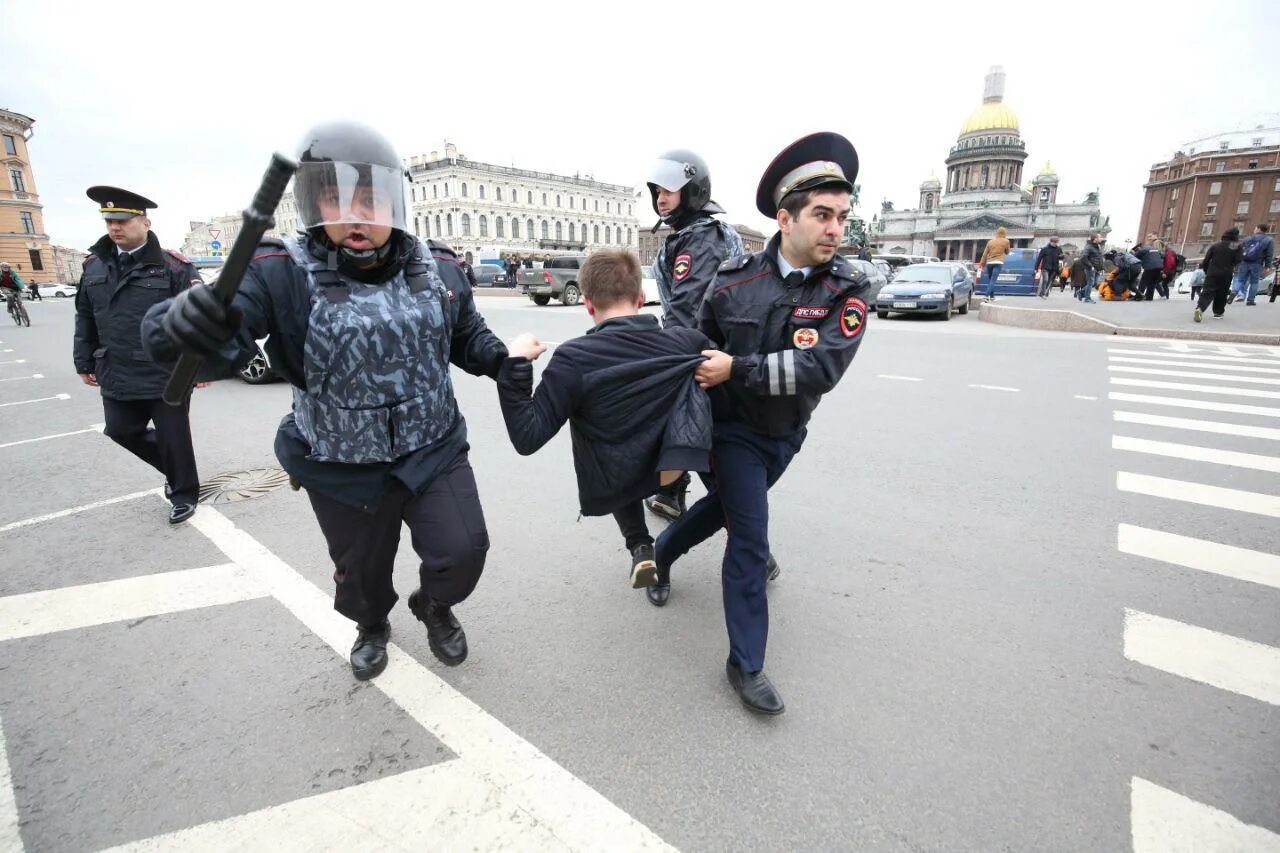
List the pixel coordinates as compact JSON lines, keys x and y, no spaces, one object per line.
{"x":347,"y":142}
{"x":683,"y":171}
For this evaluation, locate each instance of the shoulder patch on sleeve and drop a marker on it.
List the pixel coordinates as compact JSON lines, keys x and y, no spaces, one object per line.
{"x":181,"y":258}
{"x":737,"y":263}
{"x":853,"y":317}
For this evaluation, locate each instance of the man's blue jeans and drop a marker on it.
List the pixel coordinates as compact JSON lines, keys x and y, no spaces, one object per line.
{"x":1245,"y":284}
{"x":1090,"y":279}
{"x":993,"y":270}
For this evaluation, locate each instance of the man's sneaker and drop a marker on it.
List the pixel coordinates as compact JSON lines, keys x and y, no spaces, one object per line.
{"x":1218,"y":316}
{"x":1250,"y":302}
{"x":1199,"y":314}
{"x":1231,"y":297}
{"x":664,"y":505}
{"x":774,"y":568}
{"x":180,"y":512}
{"x":644,"y":571}
{"x":445,"y":636}
{"x":369,"y":654}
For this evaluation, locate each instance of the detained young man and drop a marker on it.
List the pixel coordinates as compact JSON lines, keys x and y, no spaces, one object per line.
{"x":637,"y":417}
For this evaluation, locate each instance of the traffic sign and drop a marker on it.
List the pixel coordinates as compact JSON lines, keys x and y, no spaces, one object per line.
{"x":214,"y":244}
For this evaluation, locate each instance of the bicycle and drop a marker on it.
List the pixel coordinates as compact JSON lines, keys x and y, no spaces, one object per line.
{"x":17,"y":310}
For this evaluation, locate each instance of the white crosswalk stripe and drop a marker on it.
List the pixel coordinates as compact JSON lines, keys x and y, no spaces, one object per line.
{"x":1162,"y":819}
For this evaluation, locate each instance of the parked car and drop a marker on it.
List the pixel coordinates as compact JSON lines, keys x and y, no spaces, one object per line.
{"x":558,"y":279}
{"x":1017,"y":277}
{"x":927,"y":289}
{"x":897,"y":262}
{"x":490,"y":275}
{"x":650,"y":285}
{"x":874,"y":273}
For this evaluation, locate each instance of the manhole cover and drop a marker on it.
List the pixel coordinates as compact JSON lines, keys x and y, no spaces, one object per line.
{"x":242,"y":485}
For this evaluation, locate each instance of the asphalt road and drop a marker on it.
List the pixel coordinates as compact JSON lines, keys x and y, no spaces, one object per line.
{"x":1026,"y":604}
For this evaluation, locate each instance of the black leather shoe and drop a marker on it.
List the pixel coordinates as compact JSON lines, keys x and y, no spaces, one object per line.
{"x":444,"y":633}
{"x":180,"y":512}
{"x":369,"y":654}
{"x":774,"y":568}
{"x":754,"y":689}
{"x":644,"y":571}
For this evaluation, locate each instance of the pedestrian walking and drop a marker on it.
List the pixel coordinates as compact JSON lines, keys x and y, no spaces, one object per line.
{"x":1257,"y":257}
{"x":364,"y":321}
{"x":34,"y":289}
{"x":1092,"y":263}
{"x":125,"y":275}
{"x":769,"y":373}
{"x":680,"y":189}
{"x":1048,"y":266}
{"x":992,"y":260}
{"x":1219,"y":264}
{"x":1152,"y":260}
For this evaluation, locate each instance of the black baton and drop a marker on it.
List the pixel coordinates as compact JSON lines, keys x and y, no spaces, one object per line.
{"x":257,"y":219}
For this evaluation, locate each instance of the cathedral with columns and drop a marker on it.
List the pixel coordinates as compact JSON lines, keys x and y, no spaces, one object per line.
{"x":984,"y":190}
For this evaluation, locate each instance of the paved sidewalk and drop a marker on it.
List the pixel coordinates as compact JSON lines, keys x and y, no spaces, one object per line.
{"x":1160,"y":318}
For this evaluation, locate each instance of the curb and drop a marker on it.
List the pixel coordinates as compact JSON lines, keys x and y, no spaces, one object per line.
{"x":1054,"y":320}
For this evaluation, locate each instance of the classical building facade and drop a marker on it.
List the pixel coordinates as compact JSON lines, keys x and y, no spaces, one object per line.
{"x":1212,"y":184}
{"x":983,"y":191}
{"x":68,"y":264}
{"x":223,"y":230}
{"x":483,"y":210}
{"x":23,"y":240}
{"x":651,"y":241}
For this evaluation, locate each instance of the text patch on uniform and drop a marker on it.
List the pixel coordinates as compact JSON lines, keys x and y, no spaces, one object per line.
{"x":681,"y":267}
{"x":811,"y":312}
{"x":853,"y":317}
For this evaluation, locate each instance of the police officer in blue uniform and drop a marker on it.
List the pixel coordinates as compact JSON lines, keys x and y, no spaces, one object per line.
{"x":680,"y":188}
{"x":364,"y":321}
{"x":125,"y":274}
{"x":788,"y":321}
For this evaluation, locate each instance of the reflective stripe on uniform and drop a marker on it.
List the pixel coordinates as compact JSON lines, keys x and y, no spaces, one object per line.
{"x":789,"y":371}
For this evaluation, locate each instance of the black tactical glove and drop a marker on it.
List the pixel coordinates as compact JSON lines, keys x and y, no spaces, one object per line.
{"x":199,"y":322}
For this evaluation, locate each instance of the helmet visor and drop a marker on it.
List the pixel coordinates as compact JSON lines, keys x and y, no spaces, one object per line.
{"x":330,"y":192}
{"x":670,"y":174}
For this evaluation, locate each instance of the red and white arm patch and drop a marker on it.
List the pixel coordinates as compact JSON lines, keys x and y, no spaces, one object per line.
{"x":853,"y":317}
{"x":680,"y":269}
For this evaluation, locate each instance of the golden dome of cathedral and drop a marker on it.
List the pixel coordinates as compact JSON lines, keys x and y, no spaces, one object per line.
{"x":993,"y":115}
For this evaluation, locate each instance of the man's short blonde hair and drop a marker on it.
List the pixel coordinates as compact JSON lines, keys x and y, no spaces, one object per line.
{"x":611,"y":276}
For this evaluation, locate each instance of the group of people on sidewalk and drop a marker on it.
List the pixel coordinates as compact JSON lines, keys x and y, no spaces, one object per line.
{"x":1234,"y":269}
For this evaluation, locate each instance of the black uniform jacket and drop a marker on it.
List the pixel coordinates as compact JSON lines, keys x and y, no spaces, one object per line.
{"x":109,"y":312}
{"x":691,"y":257}
{"x":276,"y":301}
{"x":627,"y":389}
{"x":790,"y":343}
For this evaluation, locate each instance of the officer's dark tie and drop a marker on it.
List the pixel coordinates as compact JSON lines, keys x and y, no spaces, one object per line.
{"x":795,"y":278}
{"x":126,"y":261}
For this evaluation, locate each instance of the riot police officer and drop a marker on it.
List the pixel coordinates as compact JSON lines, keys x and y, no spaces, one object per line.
{"x":364,"y":321}
{"x":680,"y":188}
{"x":125,"y":274}
{"x":789,"y":321}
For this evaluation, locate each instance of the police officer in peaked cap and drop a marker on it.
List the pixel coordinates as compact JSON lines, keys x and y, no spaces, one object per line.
{"x":788,"y":321}
{"x":364,"y":321}
{"x":126,"y":274}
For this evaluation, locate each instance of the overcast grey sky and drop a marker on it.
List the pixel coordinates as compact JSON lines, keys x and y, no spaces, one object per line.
{"x":184,"y":102}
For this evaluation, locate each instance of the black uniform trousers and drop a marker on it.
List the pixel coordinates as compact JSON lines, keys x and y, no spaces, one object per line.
{"x":165,"y":447}
{"x":1215,"y":291}
{"x":447,"y":529}
{"x":632,"y":524}
{"x":744,"y":466}
{"x":1150,"y":284}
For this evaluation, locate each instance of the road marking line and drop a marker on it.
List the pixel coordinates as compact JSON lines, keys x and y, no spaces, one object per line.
{"x":1219,"y":427}
{"x":578,"y":815}
{"x":16,"y":361}
{"x":994,"y":387}
{"x":1195,"y":453}
{"x":47,"y":437}
{"x":1243,"y":369}
{"x":901,"y":378}
{"x":1166,"y":822}
{"x":37,"y":400}
{"x":1191,"y":374}
{"x":6,"y":350}
{"x":1199,"y":389}
{"x":1198,"y":493}
{"x":20,"y":378}
{"x":415,"y":810}
{"x":1085,"y":397}
{"x":49,"y":611}
{"x":1181,"y":402}
{"x":1189,"y":651}
{"x":10,"y":838}
{"x":14,"y":525}
{"x":1194,"y":356}
{"x":1200,"y":554}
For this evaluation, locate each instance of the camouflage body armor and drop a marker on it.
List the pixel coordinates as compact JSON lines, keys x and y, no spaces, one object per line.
{"x":376,"y":363}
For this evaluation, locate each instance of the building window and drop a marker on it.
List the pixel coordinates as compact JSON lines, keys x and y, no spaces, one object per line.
{"x":1168,"y":214}
{"x":466,"y":223}
{"x":448,"y":223}
{"x":36,"y":263}
{"x":1246,"y":187}
{"x":598,"y":200}
{"x":528,"y":229}
{"x":584,"y":207}
{"x":464,"y":189}
{"x":1215,"y":188}
{"x":1223,"y":146}
{"x":1242,"y":209}
{"x":1173,"y":196}
{"x":573,"y":231}
{"x":544,"y":199}
{"x":1206,"y":230}
{"x":608,"y":207}
{"x":484,"y":226}
{"x":608,"y":235}
{"x":435,"y":191}
{"x":1256,"y":142}
{"x":1220,"y":166}
{"x":10,"y":145}
{"x":498,"y":226}
{"x":530,"y":199}
{"x":557,"y":201}
{"x":628,"y":234}
{"x":572,"y":202}
{"x":1275,"y":206}
{"x":928,"y":203}
{"x":595,"y":234}
{"x":629,"y":211}
{"x":438,"y":231}
{"x":426,"y":223}
{"x":515,"y":228}
{"x":1253,"y":164}
{"x":546,"y":230}
{"x":559,"y":232}
{"x":482,"y":191}
{"x":1211,"y":208}
{"x":28,"y":224}
{"x":19,"y":185}
{"x":446,"y":189}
